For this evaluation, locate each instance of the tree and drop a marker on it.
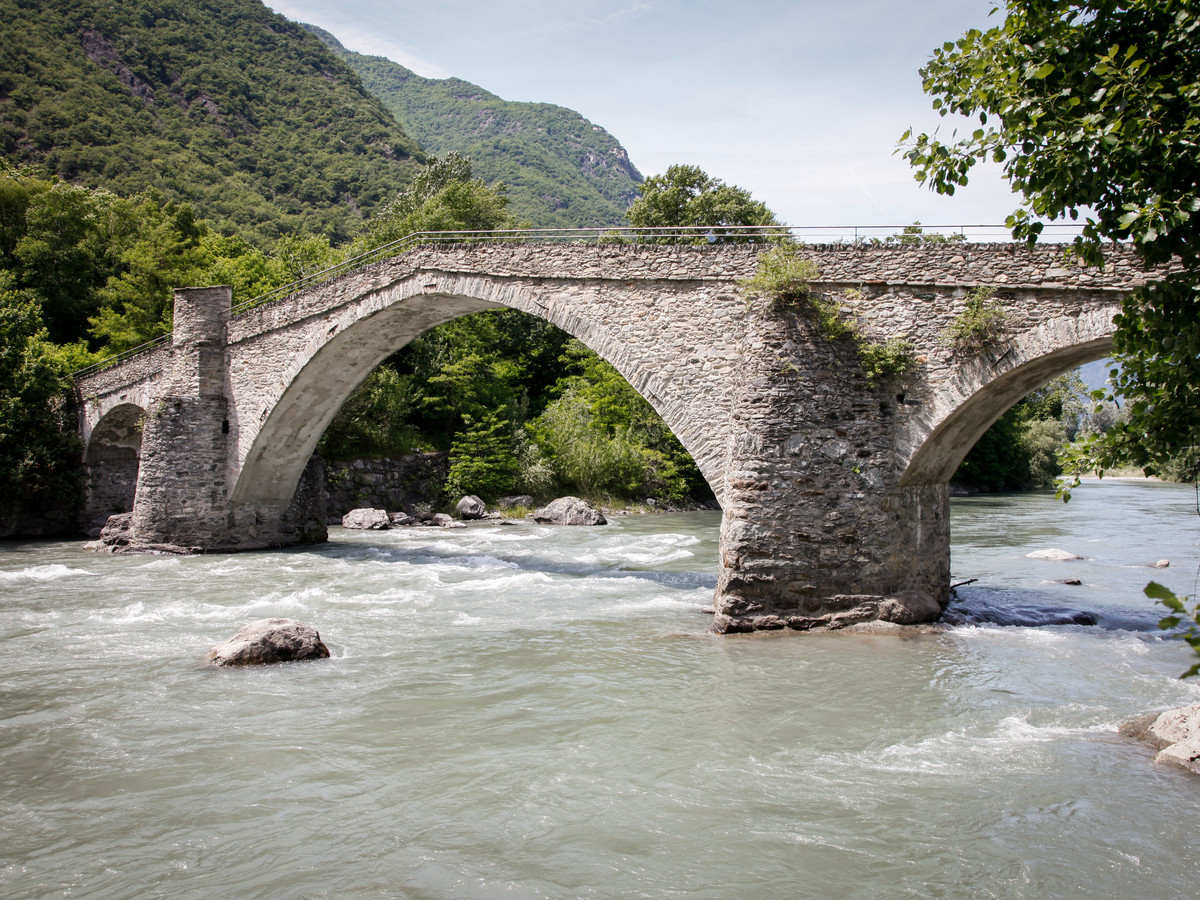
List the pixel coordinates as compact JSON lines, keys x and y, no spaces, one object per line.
{"x":686,"y":196}
{"x":442,"y":197}
{"x":39,"y":450}
{"x":1093,"y":108}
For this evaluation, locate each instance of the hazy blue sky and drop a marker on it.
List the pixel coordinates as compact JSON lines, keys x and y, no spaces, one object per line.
{"x":800,"y":102}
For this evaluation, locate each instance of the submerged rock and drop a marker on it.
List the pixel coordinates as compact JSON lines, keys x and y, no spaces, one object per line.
{"x":269,"y":641}
{"x":470,"y":507}
{"x":1175,"y":734}
{"x":371,"y":519}
{"x":1054,"y":555}
{"x":1015,"y":615}
{"x":568,"y":511}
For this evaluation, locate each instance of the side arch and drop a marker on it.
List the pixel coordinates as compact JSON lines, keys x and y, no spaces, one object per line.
{"x":983,"y":391}
{"x":111,"y":460}
{"x":279,"y":427}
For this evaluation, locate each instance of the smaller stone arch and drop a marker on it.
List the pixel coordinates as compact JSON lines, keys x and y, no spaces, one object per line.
{"x":984,"y":390}
{"x":111,"y":462}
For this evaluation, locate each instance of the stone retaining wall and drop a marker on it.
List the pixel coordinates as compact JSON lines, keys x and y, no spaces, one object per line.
{"x":409,"y":483}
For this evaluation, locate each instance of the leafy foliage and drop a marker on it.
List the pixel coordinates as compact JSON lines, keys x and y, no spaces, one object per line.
{"x":782,"y":278}
{"x":39,"y":450}
{"x":223,"y":105}
{"x":782,"y":281}
{"x":482,"y":460}
{"x":1179,"y":614}
{"x":1093,"y":108}
{"x":443,"y":197}
{"x":1022,"y":449}
{"x":982,"y":324}
{"x":883,"y":362}
{"x":562,"y":170}
{"x":686,"y":196}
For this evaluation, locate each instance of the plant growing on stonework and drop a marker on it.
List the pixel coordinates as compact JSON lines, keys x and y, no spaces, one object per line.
{"x":881,"y":362}
{"x":782,"y":279}
{"x":982,"y":324}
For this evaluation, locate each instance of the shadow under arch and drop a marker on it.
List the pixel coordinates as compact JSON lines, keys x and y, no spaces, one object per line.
{"x":980,"y":397}
{"x":111,"y":461}
{"x":321,"y":376}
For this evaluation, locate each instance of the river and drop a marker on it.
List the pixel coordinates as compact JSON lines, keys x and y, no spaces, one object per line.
{"x":521,"y":711}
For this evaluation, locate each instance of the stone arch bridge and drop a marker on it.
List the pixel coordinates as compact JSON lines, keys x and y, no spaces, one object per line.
{"x":833,"y":490}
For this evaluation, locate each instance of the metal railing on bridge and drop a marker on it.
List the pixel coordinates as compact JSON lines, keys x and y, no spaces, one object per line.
{"x":683,"y":235}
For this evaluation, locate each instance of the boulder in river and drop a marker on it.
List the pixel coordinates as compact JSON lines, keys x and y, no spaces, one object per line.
{"x":910,"y":608}
{"x":1175,"y":734}
{"x":470,"y":507}
{"x":269,"y":641}
{"x":568,"y":511}
{"x":1054,"y":555}
{"x":1161,"y":564}
{"x":371,"y":519}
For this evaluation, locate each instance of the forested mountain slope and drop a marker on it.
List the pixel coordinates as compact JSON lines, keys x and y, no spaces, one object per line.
{"x":220,"y":103}
{"x":561,"y":169}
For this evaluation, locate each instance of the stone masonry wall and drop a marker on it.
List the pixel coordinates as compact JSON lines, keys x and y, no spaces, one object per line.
{"x":406,"y":484}
{"x":827,"y":518}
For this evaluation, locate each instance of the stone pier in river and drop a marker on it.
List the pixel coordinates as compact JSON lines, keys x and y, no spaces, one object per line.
{"x":833,"y":489}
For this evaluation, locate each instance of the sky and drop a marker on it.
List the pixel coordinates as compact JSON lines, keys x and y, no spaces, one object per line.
{"x":802,"y":103}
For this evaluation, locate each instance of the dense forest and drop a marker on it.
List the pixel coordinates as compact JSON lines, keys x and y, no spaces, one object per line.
{"x":157,"y":144}
{"x":218,"y":103}
{"x":560,"y":169}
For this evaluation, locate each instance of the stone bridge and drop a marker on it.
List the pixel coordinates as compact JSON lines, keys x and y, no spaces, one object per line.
{"x":833,"y":490}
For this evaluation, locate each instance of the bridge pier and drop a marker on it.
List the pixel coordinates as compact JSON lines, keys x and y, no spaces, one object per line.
{"x":184,"y":480}
{"x":817,"y":531}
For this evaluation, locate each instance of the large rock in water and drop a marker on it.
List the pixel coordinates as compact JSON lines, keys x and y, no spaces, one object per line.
{"x":269,"y":641}
{"x":373,"y":519}
{"x":1175,"y":734}
{"x":1054,"y":555}
{"x":568,"y":511}
{"x":471,"y":507}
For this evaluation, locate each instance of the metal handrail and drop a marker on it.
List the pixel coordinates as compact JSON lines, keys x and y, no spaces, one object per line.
{"x":855,"y":234}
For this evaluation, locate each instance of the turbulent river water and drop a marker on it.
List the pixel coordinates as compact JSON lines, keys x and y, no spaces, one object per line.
{"x":524,"y":711}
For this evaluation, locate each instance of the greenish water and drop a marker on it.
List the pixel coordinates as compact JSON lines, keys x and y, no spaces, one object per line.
{"x":524,"y":711}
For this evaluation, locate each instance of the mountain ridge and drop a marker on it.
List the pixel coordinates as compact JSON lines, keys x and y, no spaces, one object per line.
{"x":561,"y":169}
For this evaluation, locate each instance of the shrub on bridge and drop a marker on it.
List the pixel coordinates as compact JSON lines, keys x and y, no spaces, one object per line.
{"x":982,"y":324}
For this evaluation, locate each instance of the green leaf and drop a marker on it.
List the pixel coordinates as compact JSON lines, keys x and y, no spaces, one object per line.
{"x":1156,"y":591}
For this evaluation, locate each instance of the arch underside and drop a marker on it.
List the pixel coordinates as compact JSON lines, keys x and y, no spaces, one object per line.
{"x":943,"y":451}
{"x":111,"y":459}
{"x":321,"y":380}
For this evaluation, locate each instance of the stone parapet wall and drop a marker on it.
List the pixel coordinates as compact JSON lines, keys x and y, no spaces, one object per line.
{"x":1012,"y":265}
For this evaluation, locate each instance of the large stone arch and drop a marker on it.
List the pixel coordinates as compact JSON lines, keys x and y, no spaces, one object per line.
{"x":111,"y":461}
{"x":279,"y":431}
{"x":985,"y":388}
